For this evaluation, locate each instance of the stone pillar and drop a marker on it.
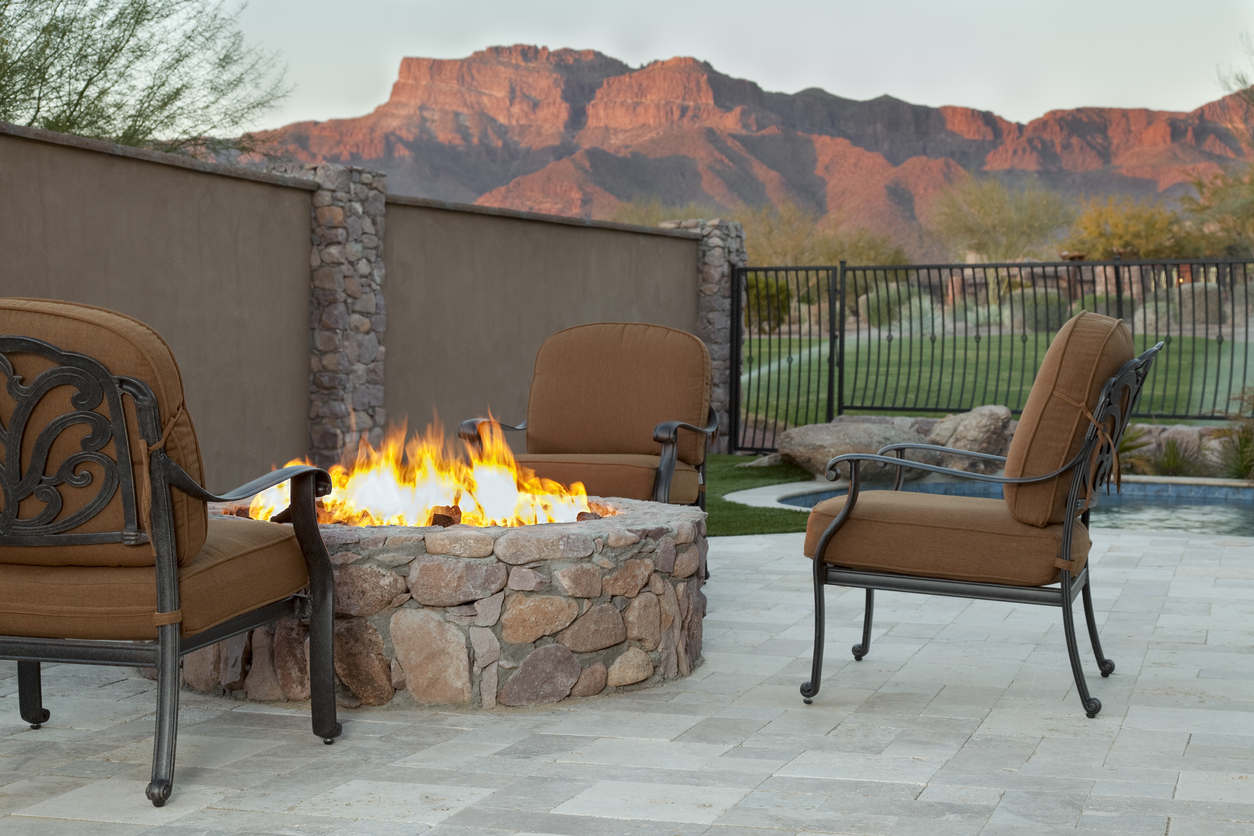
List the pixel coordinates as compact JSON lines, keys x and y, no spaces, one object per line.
{"x":721,"y":248}
{"x":347,"y":317}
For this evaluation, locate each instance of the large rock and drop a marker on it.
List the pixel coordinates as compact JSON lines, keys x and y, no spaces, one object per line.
{"x":233,"y":657}
{"x":200,"y":668}
{"x":628,"y":580}
{"x":600,"y":627}
{"x":546,"y":675}
{"x":262,"y":682}
{"x":529,"y":546}
{"x":813,"y":445}
{"x":433,"y":657}
{"x":291,"y":657}
{"x":583,"y":580}
{"x":364,"y":590}
{"x":449,"y":581}
{"x":360,"y":663}
{"x":985,"y":429}
{"x":632,"y":667}
{"x":643,"y":620}
{"x":528,"y":617}
{"x":591,"y":681}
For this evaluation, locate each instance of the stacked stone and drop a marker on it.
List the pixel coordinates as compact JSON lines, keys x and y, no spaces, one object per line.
{"x":488,"y":616}
{"x":347,"y":316}
{"x":722,"y":248}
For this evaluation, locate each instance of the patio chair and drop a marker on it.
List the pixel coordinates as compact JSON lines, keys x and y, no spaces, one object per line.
{"x":607,"y":403}
{"x":107,"y":553}
{"x":1031,"y":547}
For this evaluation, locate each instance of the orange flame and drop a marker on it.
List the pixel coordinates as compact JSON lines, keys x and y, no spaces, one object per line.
{"x":407,"y":483}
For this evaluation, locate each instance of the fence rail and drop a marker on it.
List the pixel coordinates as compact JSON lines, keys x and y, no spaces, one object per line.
{"x":817,"y":342}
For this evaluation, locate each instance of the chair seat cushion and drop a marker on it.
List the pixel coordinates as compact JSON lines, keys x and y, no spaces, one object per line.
{"x":938,"y":536}
{"x":244,"y":564}
{"x":603,"y":474}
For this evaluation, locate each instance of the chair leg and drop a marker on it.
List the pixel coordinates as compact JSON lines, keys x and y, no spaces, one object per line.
{"x":1105,"y":665}
{"x":162,"y":784}
{"x":1091,"y":704}
{"x":30,"y":699}
{"x":322,"y":659}
{"x":860,"y":650}
{"x":810,"y":688}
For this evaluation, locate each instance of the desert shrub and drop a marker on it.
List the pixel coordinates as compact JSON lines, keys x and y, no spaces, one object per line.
{"x":884,"y":303}
{"x":767,"y":305}
{"x":1179,"y":458}
{"x":1033,"y":309}
{"x":1104,"y":305}
{"x":1134,"y":448}
{"x":918,"y":317}
{"x":1235,"y":454}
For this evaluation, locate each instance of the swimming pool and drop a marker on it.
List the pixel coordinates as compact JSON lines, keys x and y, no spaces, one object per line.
{"x":1195,"y":506}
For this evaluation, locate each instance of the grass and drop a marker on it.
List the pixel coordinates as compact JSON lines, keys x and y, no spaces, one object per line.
{"x":788,"y":378}
{"x":730,"y":518}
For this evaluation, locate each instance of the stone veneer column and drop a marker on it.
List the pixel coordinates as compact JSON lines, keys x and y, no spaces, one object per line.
{"x":721,"y":248}
{"x":347,"y":317}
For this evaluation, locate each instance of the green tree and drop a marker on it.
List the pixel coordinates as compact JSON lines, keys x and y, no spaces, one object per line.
{"x":787,"y":235}
{"x":1222,"y":212}
{"x":172,"y":75}
{"x":1130,"y":229}
{"x":986,"y":217}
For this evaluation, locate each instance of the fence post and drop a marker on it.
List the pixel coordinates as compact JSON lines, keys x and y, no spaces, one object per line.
{"x":838,"y":343}
{"x":736,"y":345}
{"x":1118,"y":287}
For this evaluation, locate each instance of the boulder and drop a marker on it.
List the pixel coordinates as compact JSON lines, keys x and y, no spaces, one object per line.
{"x":546,"y":675}
{"x":985,"y":429}
{"x":811,"y":446}
{"x":433,"y":657}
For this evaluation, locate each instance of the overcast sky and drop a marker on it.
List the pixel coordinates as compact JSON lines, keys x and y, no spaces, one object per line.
{"x":1016,"y":58}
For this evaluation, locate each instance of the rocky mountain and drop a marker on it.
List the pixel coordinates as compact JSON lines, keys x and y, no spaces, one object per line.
{"x":577,"y":132}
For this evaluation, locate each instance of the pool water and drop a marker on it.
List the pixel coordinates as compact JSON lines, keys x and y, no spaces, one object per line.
{"x":1221,"y":515}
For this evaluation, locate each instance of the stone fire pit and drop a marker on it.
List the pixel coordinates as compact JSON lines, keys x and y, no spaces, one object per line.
{"x":486,"y":616}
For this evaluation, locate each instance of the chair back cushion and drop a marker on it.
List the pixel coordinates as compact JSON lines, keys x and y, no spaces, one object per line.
{"x":126,"y":347}
{"x":602,"y":388}
{"x":1088,"y":350}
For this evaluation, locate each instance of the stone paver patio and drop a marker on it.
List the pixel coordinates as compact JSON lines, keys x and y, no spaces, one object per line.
{"x":962,"y":720}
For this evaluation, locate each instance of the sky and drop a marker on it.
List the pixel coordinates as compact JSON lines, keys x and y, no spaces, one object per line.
{"x":1017,"y":58}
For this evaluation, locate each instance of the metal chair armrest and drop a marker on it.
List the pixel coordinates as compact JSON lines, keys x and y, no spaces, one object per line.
{"x":179,"y":478}
{"x":833,"y":469}
{"x":468,"y":430}
{"x":667,"y":434}
{"x":953,"y":451}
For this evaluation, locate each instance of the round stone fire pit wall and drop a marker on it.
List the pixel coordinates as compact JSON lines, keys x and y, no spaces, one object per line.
{"x":486,"y":616}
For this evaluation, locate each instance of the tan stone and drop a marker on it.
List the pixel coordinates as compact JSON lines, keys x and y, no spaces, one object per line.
{"x":632,"y":667}
{"x":448,"y":581}
{"x":684,"y":533}
{"x":200,"y":668}
{"x":583,"y":580}
{"x":518,"y":547}
{"x":546,"y":675}
{"x":487,"y":648}
{"x":262,"y":682}
{"x":528,"y":617}
{"x":600,"y":627}
{"x":460,"y":541}
{"x":670,"y":607}
{"x":488,"y":685}
{"x":364,"y":590}
{"x":433,"y":657}
{"x":291,"y":657}
{"x":628,"y":579}
{"x":658,"y":584}
{"x":591,"y":681}
{"x":398,"y":675}
{"x":686,"y":562}
{"x":664,"y":554}
{"x":643,"y":620}
{"x":526,"y":580}
{"x":488,"y":610}
{"x":360,"y":663}
{"x":620,"y":537}
{"x":332,"y":216}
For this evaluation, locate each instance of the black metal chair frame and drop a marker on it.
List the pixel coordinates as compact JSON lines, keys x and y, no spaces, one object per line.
{"x":97,"y":387}
{"x":1091,"y":468}
{"x":665,"y":433}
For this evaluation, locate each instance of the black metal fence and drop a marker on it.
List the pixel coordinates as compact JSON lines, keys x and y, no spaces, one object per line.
{"x":817,"y":342}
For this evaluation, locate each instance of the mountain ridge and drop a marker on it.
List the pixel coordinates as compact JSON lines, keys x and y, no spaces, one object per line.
{"x":577,"y":132}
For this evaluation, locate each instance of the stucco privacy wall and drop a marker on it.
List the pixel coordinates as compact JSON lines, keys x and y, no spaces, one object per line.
{"x":219,"y":265}
{"x":472,"y":293}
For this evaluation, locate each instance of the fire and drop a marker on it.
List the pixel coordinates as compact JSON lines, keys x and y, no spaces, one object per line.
{"x":409,"y":483}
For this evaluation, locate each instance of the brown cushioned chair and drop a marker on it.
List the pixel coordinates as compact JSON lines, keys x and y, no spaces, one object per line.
{"x":1030,"y":547}
{"x":107,"y":553}
{"x":607,"y":403}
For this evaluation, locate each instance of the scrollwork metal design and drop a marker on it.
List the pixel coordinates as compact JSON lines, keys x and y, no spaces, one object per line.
{"x":97,"y":405}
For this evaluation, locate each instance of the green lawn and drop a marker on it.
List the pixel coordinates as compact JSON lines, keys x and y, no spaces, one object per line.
{"x":727,"y":518}
{"x":788,"y":378}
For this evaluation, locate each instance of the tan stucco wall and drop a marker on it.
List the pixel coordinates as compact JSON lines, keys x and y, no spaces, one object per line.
{"x":470,"y":298}
{"x":218,"y":265}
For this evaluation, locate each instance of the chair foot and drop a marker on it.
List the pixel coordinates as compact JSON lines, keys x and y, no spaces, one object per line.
{"x":1107,"y":667}
{"x":328,"y":740}
{"x":807,"y":692}
{"x":158,"y":793}
{"x":858,"y":653}
{"x":1092,"y":706}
